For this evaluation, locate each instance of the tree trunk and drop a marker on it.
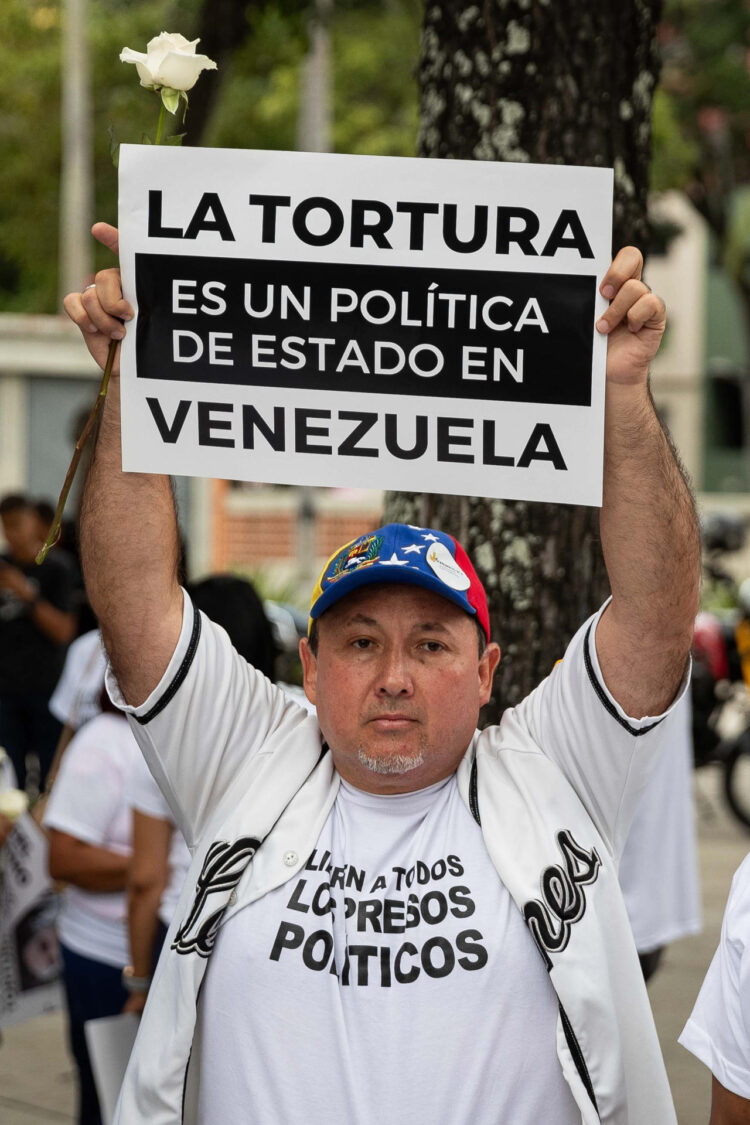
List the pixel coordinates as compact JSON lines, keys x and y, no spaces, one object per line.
{"x":223,"y":27}
{"x":545,"y":81}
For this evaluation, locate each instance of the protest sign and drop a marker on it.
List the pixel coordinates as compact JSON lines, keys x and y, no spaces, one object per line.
{"x":30,"y":963}
{"x":365,"y":321}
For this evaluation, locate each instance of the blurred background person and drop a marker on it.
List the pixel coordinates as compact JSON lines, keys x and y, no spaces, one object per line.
{"x":718,"y":1031}
{"x":67,"y":543}
{"x":13,"y":803}
{"x":75,"y":700}
{"x":160,"y":855}
{"x":659,"y":866}
{"x":36,"y":625}
{"x":90,"y":842}
{"x":158,"y":868}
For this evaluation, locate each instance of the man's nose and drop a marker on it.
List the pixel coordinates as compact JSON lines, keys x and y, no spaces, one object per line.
{"x":395,"y":677}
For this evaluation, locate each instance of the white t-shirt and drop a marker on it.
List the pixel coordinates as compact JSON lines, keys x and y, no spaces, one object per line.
{"x":75,"y":700}
{"x":718,"y":1031}
{"x":659,"y":864}
{"x":395,"y":952}
{"x":88,"y":801}
{"x":145,"y":796}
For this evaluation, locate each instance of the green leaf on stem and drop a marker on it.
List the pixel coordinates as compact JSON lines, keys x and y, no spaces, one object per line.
{"x":170,"y":99}
{"x":145,"y":139}
{"x":175,"y":139}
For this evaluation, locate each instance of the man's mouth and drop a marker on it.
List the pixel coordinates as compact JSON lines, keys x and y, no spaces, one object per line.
{"x":392,"y":722}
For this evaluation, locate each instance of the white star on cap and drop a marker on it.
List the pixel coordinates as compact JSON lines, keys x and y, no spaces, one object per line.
{"x":414,"y":548}
{"x":431,"y":538}
{"x":394,"y":561}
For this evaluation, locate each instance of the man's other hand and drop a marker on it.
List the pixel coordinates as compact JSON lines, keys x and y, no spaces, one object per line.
{"x":99,"y":311}
{"x":634,"y":322}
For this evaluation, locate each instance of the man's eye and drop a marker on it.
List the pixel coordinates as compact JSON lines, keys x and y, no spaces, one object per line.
{"x":362,"y":643}
{"x":432,"y":646}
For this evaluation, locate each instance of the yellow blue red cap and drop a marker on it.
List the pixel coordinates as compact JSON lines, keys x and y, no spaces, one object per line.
{"x":412,"y":556}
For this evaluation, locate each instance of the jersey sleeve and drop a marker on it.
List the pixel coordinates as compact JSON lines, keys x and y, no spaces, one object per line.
{"x":210,"y":713}
{"x":87,"y":792}
{"x":606,"y":755}
{"x":718,"y":1031}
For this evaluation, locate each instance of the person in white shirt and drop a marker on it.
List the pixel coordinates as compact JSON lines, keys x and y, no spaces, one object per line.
{"x":75,"y":700}
{"x":161,"y":859}
{"x":659,"y":864}
{"x":89,"y":825}
{"x":718,"y":1031}
{"x":389,"y":915}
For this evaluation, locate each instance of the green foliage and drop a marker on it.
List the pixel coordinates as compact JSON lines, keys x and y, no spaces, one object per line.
{"x":702,"y":114}
{"x":736,"y":250}
{"x":675,"y":154}
{"x":30,"y":153}
{"x":375,"y":105}
{"x":375,"y":87}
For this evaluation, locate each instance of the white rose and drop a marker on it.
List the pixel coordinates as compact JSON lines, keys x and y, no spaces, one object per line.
{"x":170,"y":61}
{"x":13,"y":803}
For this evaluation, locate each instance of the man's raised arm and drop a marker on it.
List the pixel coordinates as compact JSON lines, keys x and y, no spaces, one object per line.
{"x":129,"y":541}
{"x":648,"y":524}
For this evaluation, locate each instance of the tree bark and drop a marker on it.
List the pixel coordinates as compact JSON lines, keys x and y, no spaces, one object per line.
{"x":555,"y":82}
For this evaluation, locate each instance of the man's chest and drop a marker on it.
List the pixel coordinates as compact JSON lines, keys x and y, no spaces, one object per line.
{"x":389,"y":899}
{"x":395,"y":939}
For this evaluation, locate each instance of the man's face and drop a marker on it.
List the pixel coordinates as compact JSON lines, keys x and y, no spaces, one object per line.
{"x":21,"y":529}
{"x":398,"y":683}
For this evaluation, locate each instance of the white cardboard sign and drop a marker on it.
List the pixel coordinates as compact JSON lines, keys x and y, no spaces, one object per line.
{"x":372,"y":322}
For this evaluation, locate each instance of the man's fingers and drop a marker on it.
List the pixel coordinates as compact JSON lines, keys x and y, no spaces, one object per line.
{"x":109,"y":294}
{"x":97,"y":341}
{"x":73,"y":306}
{"x":628,"y":264}
{"x":104,"y":322}
{"x":631,"y":292}
{"x":101,"y":308}
{"x":650,"y":309}
{"x":107,"y":235}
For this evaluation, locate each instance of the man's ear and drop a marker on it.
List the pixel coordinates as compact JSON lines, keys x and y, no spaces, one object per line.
{"x":309,"y":669}
{"x":488,"y":663}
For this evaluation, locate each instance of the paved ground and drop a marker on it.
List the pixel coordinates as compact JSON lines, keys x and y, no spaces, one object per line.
{"x":37,"y":1086}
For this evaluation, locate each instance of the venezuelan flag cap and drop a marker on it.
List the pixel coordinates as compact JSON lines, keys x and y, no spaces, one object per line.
{"x":410,"y":556}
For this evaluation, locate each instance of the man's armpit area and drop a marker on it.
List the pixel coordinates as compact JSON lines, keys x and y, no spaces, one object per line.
{"x":642,"y":683}
{"x":144,"y":692}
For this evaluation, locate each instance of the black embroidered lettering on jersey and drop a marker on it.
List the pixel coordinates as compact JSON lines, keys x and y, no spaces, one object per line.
{"x":563,"y":901}
{"x":221,"y":872}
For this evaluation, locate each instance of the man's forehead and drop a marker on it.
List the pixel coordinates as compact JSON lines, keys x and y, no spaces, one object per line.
{"x":377,"y":604}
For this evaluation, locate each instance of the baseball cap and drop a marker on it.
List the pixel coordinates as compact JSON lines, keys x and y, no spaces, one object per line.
{"x":411,"y":556}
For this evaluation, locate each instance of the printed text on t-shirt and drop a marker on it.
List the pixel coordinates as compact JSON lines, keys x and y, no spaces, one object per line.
{"x":423,"y":895}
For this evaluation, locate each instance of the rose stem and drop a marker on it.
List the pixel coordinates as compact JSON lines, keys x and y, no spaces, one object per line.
{"x":160,"y":125}
{"x":54,"y":534}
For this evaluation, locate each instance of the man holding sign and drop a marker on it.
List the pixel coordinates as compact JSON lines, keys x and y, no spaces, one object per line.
{"x":350,"y":945}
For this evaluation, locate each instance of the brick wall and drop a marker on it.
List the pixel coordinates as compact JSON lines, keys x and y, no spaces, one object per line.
{"x":253,"y":528}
